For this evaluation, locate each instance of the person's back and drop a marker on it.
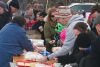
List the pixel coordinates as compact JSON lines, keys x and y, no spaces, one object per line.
{"x":83,"y":42}
{"x":92,"y":60}
{"x":13,"y":41}
{"x":9,"y":37}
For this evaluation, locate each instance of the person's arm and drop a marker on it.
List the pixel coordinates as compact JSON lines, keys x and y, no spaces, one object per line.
{"x":47,"y":34}
{"x":66,"y":48}
{"x":25,"y":43}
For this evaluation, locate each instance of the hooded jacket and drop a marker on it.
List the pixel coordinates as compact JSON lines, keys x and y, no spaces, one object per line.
{"x":67,"y":47}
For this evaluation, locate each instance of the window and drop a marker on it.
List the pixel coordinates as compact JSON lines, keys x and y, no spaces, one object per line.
{"x":86,"y":8}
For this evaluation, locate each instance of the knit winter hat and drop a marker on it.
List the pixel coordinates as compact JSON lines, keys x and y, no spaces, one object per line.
{"x":3,"y":5}
{"x":14,"y":3}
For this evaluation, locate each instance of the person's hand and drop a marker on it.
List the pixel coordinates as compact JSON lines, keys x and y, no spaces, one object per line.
{"x":36,"y":49}
{"x":55,"y":59}
{"x":41,"y":28}
{"x":52,"y":42}
{"x":44,"y":59}
{"x":54,"y":49}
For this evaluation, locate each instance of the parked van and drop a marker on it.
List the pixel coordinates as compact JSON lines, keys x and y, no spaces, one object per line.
{"x":82,"y":7}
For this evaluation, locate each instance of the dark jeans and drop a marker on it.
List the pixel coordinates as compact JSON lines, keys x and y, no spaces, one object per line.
{"x":66,"y":59}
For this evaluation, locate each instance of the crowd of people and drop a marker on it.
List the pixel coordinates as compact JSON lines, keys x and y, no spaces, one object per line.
{"x":79,"y":39}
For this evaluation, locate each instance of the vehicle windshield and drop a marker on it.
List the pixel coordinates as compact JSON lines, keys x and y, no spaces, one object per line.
{"x":86,"y":8}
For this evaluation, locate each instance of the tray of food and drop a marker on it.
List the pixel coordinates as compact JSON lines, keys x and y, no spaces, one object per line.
{"x":32,"y":60}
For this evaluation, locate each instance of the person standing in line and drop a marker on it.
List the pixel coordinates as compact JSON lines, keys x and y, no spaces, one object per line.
{"x":4,"y":16}
{"x":95,"y":11}
{"x":13,"y":7}
{"x":6,"y":12}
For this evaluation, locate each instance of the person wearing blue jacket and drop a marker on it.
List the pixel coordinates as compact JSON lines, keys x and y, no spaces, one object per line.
{"x":13,"y":41}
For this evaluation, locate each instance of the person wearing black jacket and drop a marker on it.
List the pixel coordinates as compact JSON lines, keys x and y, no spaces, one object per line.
{"x":13,"y":7}
{"x":40,"y":24}
{"x":93,"y":59}
{"x":85,"y":37}
{"x":6,"y":12}
{"x":4,"y":16}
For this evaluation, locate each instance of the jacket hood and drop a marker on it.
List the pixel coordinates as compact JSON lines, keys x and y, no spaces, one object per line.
{"x":76,"y":18}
